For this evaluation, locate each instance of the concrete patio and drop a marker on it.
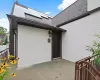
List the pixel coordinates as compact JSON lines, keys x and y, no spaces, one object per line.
{"x":56,"y":70}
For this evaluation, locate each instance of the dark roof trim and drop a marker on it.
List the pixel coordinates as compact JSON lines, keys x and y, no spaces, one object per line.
{"x":74,"y":19}
{"x":34,"y":23}
{"x":79,"y":17}
{"x":94,"y":10}
{"x":37,"y":16}
{"x":32,"y":15}
{"x":45,"y":17}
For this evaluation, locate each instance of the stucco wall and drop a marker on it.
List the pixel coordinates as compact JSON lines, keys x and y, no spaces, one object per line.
{"x":33,"y":46}
{"x":92,"y":4}
{"x":20,"y":12}
{"x":80,"y":34}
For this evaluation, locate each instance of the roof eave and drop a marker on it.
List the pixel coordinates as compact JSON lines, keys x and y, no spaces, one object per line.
{"x":79,"y":17}
{"x":34,"y":23}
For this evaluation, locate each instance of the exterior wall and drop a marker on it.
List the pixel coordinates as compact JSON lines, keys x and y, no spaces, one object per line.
{"x":20,"y":12}
{"x":92,"y":4}
{"x":33,"y":46}
{"x":80,"y":34}
{"x":76,"y":9}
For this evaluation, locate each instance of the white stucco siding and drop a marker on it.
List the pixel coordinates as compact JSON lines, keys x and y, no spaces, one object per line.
{"x":80,"y":34}
{"x":33,"y":46}
{"x":19,"y":11}
{"x":92,"y":4}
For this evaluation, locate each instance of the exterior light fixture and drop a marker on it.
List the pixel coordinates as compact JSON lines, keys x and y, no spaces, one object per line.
{"x":50,"y":33}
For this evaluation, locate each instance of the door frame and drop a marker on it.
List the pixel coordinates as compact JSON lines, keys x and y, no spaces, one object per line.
{"x":60,"y":43}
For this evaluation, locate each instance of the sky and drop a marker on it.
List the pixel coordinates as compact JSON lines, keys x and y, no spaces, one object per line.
{"x":50,"y":7}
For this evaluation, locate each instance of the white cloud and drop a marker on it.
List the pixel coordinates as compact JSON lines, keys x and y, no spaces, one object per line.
{"x":4,"y":23}
{"x":65,"y":4}
{"x":47,"y":12}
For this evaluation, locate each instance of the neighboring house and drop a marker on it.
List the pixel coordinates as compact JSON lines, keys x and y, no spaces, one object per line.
{"x":36,"y":37}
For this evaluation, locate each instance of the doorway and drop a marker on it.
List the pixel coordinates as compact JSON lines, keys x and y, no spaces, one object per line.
{"x":56,"y":45}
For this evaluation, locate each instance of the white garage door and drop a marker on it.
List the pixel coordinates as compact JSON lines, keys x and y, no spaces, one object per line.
{"x":33,"y":46}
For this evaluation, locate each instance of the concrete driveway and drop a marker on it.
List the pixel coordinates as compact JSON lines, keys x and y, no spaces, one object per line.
{"x":56,"y":70}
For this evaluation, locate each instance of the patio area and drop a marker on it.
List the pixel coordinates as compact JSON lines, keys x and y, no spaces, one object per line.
{"x":58,"y":69}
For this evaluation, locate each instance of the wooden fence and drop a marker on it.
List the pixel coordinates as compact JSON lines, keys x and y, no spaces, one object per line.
{"x":85,"y":69}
